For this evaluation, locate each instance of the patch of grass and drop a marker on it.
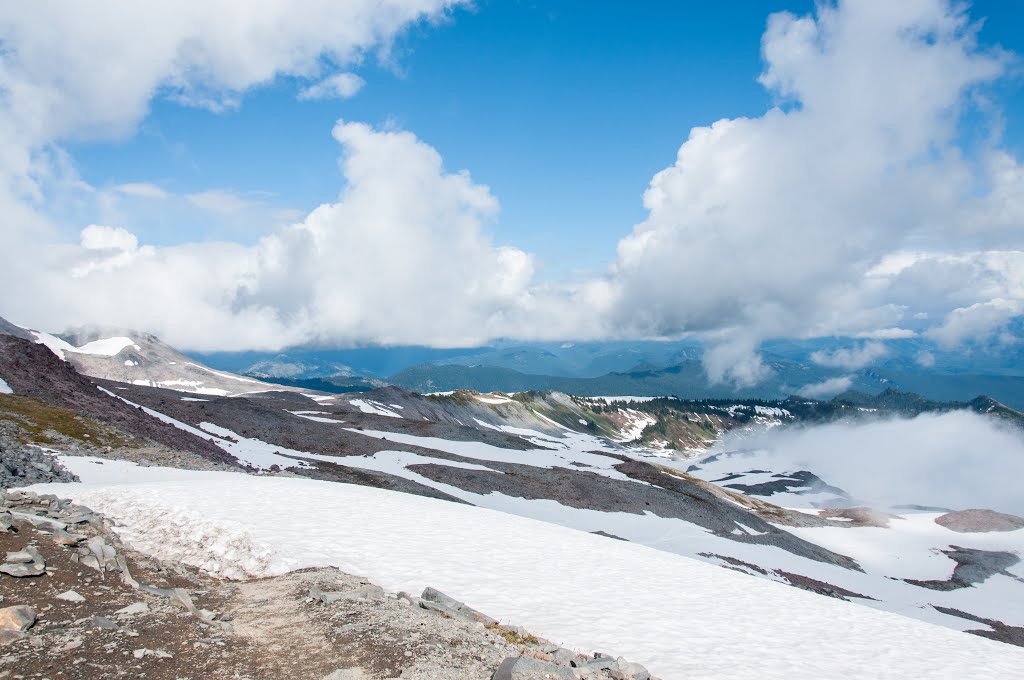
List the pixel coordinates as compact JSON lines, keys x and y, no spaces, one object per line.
{"x":512,"y":637}
{"x":41,"y":423}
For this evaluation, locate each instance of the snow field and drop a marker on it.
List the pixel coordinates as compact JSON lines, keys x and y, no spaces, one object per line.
{"x":680,"y":617}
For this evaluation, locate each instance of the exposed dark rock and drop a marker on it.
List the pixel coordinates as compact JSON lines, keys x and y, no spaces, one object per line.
{"x":802,"y":479}
{"x":972,"y":566}
{"x":23,"y":465}
{"x":32,"y":370}
{"x":1013,"y":635}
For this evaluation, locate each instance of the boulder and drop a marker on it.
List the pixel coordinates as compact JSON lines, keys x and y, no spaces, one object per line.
{"x":451,"y":606}
{"x":528,"y":668}
{"x":17,"y":618}
{"x":62,"y":537}
{"x":632,"y":671}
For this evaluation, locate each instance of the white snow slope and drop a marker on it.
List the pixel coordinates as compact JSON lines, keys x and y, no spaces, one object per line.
{"x":680,"y":617}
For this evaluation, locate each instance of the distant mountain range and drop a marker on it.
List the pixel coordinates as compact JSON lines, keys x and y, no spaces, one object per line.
{"x":492,"y":370}
{"x":817,"y":368}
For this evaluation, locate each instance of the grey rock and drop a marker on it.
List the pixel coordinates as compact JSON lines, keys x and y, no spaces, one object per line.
{"x":23,"y":570}
{"x":36,"y":520}
{"x":22,"y":465}
{"x":453,"y":606}
{"x":564,"y":657}
{"x":528,"y":668}
{"x":157,"y":653}
{"x":70,"y":596}
{"x":8,"y":636}
{"x":180,"y":597}
{"x":602,"y":663}
{"x":589,"y":673}
{"x":20,"y":557}
{"x":632,"y":671}
{"x":365,"y":592}
{"x":62,"y":537}
{"x":18,"y":618}
{"x":126,"y":576}
{"x":133,"y":609}
{"x":102,"y":623}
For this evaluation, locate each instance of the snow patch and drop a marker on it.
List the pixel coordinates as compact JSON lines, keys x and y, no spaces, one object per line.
{"x":106,"y":347}
{"x":729,"y":620}
{"x":376,"y":408}
{"x":54,"y":344}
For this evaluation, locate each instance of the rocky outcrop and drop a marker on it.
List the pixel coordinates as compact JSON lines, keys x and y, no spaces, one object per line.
{"x":22,"y":465}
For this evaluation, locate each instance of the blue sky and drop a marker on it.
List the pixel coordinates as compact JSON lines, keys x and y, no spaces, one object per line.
{"x":853,"y":213}
{"x":565,"y":109}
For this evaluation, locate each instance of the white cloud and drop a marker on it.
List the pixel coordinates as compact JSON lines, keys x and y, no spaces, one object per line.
{"x":979,"y":320}
{"x":402,"y":257}
{"x":777,"y":225}
{"x":851,"y":358}
{"x":836,"y":213}
{"x":91,"y":69}
{"x":105,"y":249}
{"x":142,"y":190}
{"x":98,"y":237}
{"x":957,"y":460}
{"x":887,"y":334}
{"x":826,"y":388}
{"x":337,"y":86}
{"x":220,"y":201}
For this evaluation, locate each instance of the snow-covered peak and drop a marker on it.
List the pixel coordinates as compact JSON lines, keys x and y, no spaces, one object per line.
{"x":104,"y":347}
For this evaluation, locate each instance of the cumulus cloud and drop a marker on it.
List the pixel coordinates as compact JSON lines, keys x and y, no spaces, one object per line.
{"x":105,"y":249}
{"x":337,"y":86}
{"x":842,"y":210}
{"x":402,"y":257}
{"x":851,"y":358}
{"x":775,"y":226}
{"x":956,"y":460}
{"x":980,"y":320}
{"x":92,"y":69}
{"x":826,"y":388}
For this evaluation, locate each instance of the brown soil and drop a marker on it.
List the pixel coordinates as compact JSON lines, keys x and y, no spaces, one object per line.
{"x":979,"y":521}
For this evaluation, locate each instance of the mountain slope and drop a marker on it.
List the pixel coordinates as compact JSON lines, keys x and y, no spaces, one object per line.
{"x":139,"y":358}
{"x":684,"y":619}
{"x":34,"y":372}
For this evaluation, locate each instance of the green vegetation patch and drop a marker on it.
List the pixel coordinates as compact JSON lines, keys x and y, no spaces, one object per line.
{"x":44,"y":424}
{"x":512,"y":637}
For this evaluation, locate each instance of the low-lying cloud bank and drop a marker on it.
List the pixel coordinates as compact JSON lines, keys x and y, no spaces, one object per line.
{"x":842,"y":211}
{"x":956,"y":460}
